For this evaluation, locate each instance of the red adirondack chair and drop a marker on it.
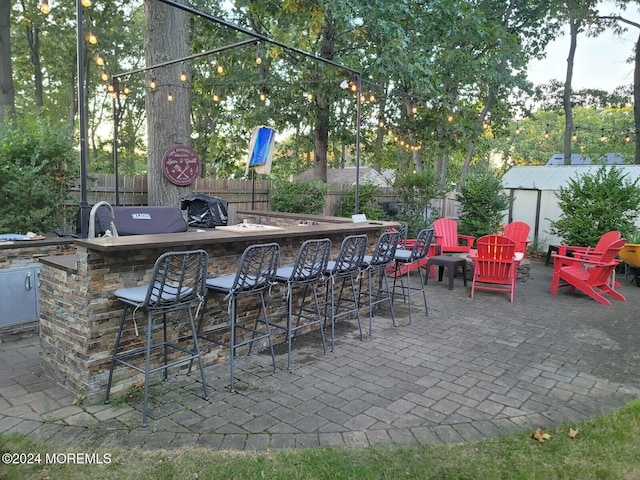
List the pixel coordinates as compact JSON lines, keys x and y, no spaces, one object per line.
{"x":447,"y":237}
{"x":594,"y":252}
{"x":519,"y":233}
{"x":495,"y":266}
{"x":595,"y":280}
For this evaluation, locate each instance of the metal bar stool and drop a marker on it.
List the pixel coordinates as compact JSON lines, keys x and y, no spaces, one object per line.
{"x":177,"y":284}
{"x":255,"y":274}
{"x":345,"y":268}
{"x":376,"y":268}
{"x":311,"y":262}
{"x":410,"y":260}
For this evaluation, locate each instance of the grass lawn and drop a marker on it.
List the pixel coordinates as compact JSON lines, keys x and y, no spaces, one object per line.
{"x":606,"y":447}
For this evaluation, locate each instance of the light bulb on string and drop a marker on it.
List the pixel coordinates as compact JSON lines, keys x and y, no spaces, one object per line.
{"x":86,"y":3}
{"x":111,"y":88}
{"x":353,"y":86}
{"x":215,"y":97}
{"x":310,"y":96}
{"x":104,"y":76}
{"x":574,"y":137}
{"x":381,"y":123}
{"x":518,"y":130}
{"x":153,"y":84}
{"x":450,"y":118}
{"x":546,"y":132}
{"x":414,"y":109}
{"x":372,"y":98}
{"x":45,"y":7}
{"x":91,"y":37}
{"x":603,"y":137}
{"x":99,"y":59}
{"x":126,"y":90}
{"x":263,"y":96}
{"x":183,"y":76}
{"x":627,"y":138}
{"x":169,"y":97}
{"x":220,"y":69}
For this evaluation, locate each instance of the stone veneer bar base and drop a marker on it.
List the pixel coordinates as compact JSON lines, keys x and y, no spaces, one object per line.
{"x":80,"y":315}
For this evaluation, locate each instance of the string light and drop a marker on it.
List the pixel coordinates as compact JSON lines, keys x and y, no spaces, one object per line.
{"x":575,"y":135}
{"x":104,"y":76}
{"x":627,"y":138}
{"x":603,"y":137}
{"x":414,"y":109}
{"x":99,"y":59}
{"x":310,"y":96}
{"x":183,"y":76}
{"x":220,"y":69}
{"x":86,"y":3}
{"x":44,"y":7}
{"x":263,"y":97}
{"x":91,"y":37}
{"x":170,"y":97}
{"x":450,"y":118}
{"x":152,"y":84}
{"x":518,"y":130}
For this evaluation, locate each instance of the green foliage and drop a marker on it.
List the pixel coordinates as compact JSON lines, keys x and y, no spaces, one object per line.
{"x":416,"y":190}
{"x":593,"y":204}
{"x":299,"y":197}
{"x":367,"y":202}
{"x":36,"y":173}
{"x":482,"y":203}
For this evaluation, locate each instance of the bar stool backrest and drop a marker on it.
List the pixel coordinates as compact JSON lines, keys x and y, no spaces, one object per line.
{"x":386,"y":248}
{"x":178,"y":278}
{"x":423,"y":244}
{"x":312,"y":260}
{"x":257,"y":267}
{"x":351,"y":254}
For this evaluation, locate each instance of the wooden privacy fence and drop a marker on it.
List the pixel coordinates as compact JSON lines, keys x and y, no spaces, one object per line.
{"x":241,"y":194}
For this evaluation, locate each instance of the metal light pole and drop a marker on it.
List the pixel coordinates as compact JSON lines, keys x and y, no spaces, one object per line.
{"x":82,"y":119}
{"x":358,"y":120}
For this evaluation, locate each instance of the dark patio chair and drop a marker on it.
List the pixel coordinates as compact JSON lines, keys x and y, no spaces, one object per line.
{"x":345,"y":271}
{"x":375,"y":267}
{"x":177,"y":284}
{"x":255,"y":274}
{"x":303,"y":277}
{"x":411,"y":260}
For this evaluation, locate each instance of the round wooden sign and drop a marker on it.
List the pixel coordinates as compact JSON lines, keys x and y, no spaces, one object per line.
{"x":181,"y":165}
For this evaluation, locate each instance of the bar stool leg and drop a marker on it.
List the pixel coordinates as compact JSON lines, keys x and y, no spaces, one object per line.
{"x":196,"y":349}
{"x":115,"y":352}
{"x":147,"y":368}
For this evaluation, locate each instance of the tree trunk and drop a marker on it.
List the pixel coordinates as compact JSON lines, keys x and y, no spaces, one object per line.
{"x":636,"y":98}
{"x":323,"y":112}
{"x":168,"y":123}
{"x":7,"y":93}
{"x":566,"y":96}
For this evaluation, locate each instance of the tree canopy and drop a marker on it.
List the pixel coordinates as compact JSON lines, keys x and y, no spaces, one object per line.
{"x":441,"y":84}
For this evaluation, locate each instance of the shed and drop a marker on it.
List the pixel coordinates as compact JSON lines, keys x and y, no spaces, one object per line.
{"x":533,"y":190}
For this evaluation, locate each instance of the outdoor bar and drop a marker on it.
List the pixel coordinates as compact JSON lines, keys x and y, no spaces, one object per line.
{"x":79,"y":314}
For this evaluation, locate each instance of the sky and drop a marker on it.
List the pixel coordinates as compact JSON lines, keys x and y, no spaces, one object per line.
{"x":600,"y":62}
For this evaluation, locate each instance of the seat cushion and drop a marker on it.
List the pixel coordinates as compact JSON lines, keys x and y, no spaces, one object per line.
{"x":403,"y":255}
{"x":138,"y":295}
{"x":223,"y":283}
{"x":283,"y":274}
